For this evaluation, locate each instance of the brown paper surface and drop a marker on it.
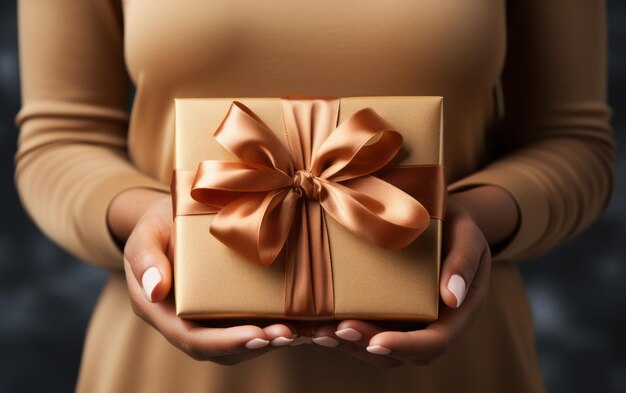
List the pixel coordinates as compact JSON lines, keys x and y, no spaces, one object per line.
{"x":211,"y":281}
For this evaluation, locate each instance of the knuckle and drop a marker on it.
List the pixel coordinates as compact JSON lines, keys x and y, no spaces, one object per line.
{"x":437,"y":351}
{"x":128,"y":246}
{"x":462,"y":258}
{"x":188,"y":348}
{"x":441,"y":343}
{"x":465,"y":251}
{"x":155,"y":224}
{"x":464,"y":223}
{"x":221,"y":348}
{"x":137,"y":310}
{"x":195,"y":355}
{"x":135,"y":305}
{"x":141,"y":257}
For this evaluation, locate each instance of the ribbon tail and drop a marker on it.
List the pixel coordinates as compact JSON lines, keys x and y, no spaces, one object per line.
{"x":256,"y":225}
{"x":182,"y":202}
{"x":309,"y":285}
{"x":246,"y":136}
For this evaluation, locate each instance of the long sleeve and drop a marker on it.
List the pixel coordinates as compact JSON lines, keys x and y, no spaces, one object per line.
{"x":72,"y":158}
{"x":554,"y":151}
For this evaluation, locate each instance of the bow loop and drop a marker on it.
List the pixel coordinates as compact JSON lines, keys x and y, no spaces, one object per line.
{"x":362,"y":144}
{"x":242,"y":221}
{"x":246,"y":136}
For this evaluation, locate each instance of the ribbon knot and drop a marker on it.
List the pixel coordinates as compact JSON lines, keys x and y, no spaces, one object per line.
{"x":306,"y":184}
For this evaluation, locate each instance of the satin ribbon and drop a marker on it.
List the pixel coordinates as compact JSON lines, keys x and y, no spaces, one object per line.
{"x":274,"y":198}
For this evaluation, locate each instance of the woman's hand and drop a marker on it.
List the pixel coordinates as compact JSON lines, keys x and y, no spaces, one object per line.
{"x":464,"y":283}
{"x":147,"y":256}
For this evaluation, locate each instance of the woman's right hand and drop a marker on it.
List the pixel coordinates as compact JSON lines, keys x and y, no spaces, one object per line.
{"x":147,"y":255}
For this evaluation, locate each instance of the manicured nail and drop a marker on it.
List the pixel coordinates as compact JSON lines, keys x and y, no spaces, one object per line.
{"x":150,"y":279}
{"x":281,"y":341}
{"x":300,"y":341}
{"x":256,"y":343}
{"x":378,"y":350}
{"x":349,"y":334}
{"x":457,"y":286}
{"x":325,"y":341}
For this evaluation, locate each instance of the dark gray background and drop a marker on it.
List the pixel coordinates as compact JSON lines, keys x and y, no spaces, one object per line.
{"x":577,"y":291}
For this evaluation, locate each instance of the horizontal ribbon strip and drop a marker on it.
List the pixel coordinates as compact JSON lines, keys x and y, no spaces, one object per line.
{"x":426,"y":183}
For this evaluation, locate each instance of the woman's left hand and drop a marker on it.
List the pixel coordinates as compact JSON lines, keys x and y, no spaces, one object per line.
{"x":464,"y":283}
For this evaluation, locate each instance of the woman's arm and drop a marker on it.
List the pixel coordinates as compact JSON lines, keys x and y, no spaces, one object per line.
{"x":556,"y":151}
{"x":493,"y":210}
{"x":71,"y":159}
{"x":127,"y":208}
{"x":74,"y":176}
{"x":552,"y":178}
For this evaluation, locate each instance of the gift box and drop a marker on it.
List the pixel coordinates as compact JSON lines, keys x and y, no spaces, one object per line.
{"x":308,"y":207}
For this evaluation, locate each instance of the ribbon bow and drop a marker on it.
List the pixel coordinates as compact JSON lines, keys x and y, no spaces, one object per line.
{"x":258,"y":197}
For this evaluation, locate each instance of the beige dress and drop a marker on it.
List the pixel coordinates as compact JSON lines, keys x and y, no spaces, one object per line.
{"x":80,"y":145}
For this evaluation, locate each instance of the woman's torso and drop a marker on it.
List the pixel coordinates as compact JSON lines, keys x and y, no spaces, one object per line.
{"x":245,"y":48}
{"x":451,"y":48}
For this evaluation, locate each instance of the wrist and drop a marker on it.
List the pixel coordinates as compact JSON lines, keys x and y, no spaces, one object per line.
{"x":493,"y":210}
{"x":127,"y":207}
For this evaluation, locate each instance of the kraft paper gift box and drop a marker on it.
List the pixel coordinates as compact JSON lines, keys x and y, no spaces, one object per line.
{"x":308,"y":207}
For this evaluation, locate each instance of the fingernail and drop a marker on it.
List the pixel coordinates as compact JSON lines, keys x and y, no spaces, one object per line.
{"x":256,"y":343}
{"x":325,"y":341}
{"x":457,"y":286}
{"x":150,"y":279}
{"x":378,"y":350}
{"x":281,"y":341}
{"x":301,"y":340}
{"x":349,"y":334}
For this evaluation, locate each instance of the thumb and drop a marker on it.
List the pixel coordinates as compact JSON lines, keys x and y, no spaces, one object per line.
{"x":145,"y":252}
{"x":465,"y":248}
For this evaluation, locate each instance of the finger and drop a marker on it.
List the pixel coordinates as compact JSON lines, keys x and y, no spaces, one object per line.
{"x":361,"y":331}
{"x":357,"y":331}
{"x":197,"y":341}
{"x":277,"y":334}
{"x":463,"y":249}
{"x":145,"y":251}
{"x":415,"y":347}
{"x":422,"y":346}
{"x":325,"y":336}
{"x":454,"y":322}
{"x":304,"y":332}
{"x":280,"y":334}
